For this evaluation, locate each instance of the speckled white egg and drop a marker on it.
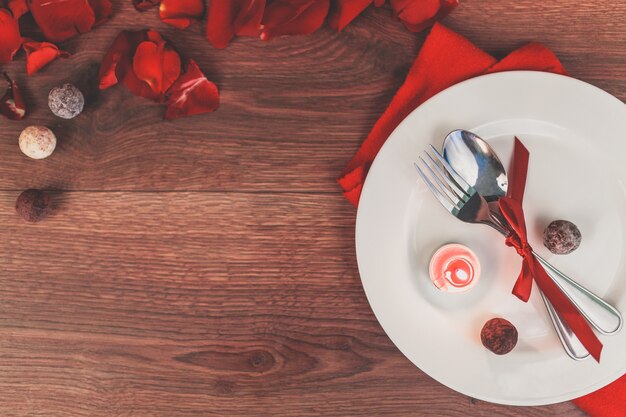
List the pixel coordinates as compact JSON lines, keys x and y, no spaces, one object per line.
{"x":37,"y":142}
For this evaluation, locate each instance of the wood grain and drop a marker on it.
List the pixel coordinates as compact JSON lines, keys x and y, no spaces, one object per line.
{"x":245,"y":304}
{"x":206,"y":266}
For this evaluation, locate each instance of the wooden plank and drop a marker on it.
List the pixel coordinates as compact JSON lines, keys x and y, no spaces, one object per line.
{"x":187,"y":304}
{"x":242,"y":297}
{"x":589,"y":36}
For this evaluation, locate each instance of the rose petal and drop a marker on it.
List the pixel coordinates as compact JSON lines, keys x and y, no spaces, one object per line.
{"x":417,"y":15}
{"x":40,"y":54}
{"x":171,"y":68}
{"x":344,"y":12}
{"x":156,"y":64}
{"x":248,"y":19}
{"x":10,"y":39}
{"x":117,"y":61}
{"x":117,"y":64}
{"x":12,"y":103}
{"x":139,"y":87}
{"x":169,"y":63}
{"x":18,"y":8}
{"x":102,"y":10}
{"x":143,"y":5}
{"x":147,"y":64}
{"x":180,"y":13}
{"x":293,"y":17}
{"x":62,"y":19}
{"x":219,"y":25}
{"x":191,"y":94}
{"x":226,"y":18}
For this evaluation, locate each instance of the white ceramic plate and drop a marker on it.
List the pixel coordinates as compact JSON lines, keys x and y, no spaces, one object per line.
{"x":576,"y":135}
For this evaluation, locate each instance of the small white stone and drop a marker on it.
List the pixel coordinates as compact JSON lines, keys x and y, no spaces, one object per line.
{"x":37,"y":142}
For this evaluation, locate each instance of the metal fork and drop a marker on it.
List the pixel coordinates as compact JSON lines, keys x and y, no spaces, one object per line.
{"x":463,"y":202}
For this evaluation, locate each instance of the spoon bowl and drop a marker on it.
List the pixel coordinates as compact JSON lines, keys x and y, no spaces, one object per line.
{"x":477,"y":162}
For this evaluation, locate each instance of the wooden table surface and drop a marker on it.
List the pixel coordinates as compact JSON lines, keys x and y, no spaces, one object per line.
{"x":206,"y":266}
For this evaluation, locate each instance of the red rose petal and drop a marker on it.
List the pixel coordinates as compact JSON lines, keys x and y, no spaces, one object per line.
{"x":143,"y":5}
{"x":191,"y":94}
{"x":139,"y":87}
{"x":117,"y":64}
{"x":117,"y":61}
{"x":62,"y":19}
{"x":293,"y":17}
{"x":226,"y":18}
{"x":40,"y":54}
{"x":10,"y":39}
{"x":248,"y":19}
{"x":417,"y":15}
{"x":344,"y":12}
{"x":171,"y":68}
{"x":180,"y":22}
{"x":168,"y":62}
{"x":12,"y":103}
{"x":415,"y":11}
{"x":18,"y":8}
{"x":219,"y":25}
{"x":147,"y":66}
{"x":156,"y":64}
{"x":154,"y":36}
{"x":102,"y":10}
{"x":180,"y":13}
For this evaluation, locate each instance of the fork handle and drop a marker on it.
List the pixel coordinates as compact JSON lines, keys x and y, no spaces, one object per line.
{"x":600,"y":314}
{"x":572,"y":346}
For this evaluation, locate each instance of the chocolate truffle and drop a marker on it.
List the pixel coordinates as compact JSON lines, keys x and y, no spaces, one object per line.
{"x":33,"y":205}
{"x":37,"y":142}
{"x":561,"y":237}
{"x":66,"y":101}
{"x":499,"y":336}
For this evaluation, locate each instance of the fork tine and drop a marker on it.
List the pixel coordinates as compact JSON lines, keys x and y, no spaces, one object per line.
{"x":447,"y":204}
{"x":458,"y":193}
{"x":467,"y":189}
{"x":454,"y":197}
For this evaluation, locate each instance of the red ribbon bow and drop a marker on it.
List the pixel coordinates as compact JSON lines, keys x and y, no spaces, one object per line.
{"x":511,"y":207}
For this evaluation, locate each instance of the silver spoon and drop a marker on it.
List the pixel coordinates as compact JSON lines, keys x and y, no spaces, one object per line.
{"x":479,"y":165}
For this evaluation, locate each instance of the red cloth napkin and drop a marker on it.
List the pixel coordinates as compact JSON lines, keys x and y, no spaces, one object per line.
{"x":609,"y":401}
{"x":445,"y":59}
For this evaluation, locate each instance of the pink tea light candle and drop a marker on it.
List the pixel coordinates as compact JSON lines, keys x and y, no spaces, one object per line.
{"x":454,"y":268}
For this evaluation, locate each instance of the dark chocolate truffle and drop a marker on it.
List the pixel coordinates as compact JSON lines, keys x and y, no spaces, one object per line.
{"x":33,"y":205}
{"x":66,"y":101}
{"x":561,"y":237}
{"x":499,"y":336}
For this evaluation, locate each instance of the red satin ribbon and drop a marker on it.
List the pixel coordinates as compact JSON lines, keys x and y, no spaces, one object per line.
{"x":511,"y":207}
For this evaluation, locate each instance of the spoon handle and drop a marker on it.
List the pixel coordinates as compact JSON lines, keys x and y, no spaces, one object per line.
{"x":570,"y":342}
{"x":600,"y":314}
